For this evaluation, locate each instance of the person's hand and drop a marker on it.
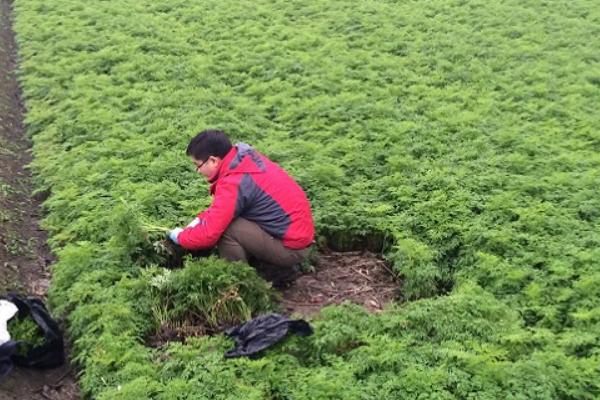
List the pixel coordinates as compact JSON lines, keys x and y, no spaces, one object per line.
{"x":195,"y":222}
{"x":174,"y":233}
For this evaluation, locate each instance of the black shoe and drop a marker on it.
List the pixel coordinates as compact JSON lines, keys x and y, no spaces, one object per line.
{"x":284,"y":281}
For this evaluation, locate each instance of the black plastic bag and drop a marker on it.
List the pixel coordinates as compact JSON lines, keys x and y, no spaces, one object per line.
{"x":51,"y":353}
{"x":7,"y":350}
{"x":263,"y":331}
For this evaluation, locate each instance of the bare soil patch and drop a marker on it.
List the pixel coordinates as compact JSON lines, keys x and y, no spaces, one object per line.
{"x":358,"y":277}
{"x":24,"y":256}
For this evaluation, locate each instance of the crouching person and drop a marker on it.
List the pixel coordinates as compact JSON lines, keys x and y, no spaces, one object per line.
{"x":259,"y":214}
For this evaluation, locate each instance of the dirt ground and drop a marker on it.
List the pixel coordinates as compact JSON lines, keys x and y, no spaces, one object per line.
{"x":357,"y":277}
{"x":24,"y":256}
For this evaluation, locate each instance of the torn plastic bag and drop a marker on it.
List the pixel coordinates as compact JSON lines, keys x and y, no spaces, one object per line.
{"x":263,"y":331}
{"x":51,"y":353}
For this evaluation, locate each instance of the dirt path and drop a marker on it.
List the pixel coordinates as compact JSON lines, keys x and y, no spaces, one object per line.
{"x":24,"y":255}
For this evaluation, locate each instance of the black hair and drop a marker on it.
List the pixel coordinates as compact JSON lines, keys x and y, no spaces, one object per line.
{"x":209,"y":143}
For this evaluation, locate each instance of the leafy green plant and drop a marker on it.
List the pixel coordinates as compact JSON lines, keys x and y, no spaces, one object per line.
{"x":208,"y":292}
{"x":26,"y":331}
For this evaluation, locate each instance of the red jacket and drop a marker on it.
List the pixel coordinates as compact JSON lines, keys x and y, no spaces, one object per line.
{"x":251,"y":186}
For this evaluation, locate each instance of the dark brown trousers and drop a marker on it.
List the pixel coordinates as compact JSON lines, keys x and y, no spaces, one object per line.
{"x":247,"y":241}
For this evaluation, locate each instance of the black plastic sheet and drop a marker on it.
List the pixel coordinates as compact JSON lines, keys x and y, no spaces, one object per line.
{"x":7,"y":350}
{"x":263,"y":331}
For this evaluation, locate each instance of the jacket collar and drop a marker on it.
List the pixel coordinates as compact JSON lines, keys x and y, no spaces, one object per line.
{"x":221,"y":170}
{"x":241,"y":159}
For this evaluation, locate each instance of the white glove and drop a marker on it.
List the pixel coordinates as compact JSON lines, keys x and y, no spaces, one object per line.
{"x":195,"y":222}
{"x":174,"y":233}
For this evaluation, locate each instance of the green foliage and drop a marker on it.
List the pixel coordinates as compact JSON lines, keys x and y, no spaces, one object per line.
{"x":415,"y":262}
{"x":27,"y":332}
{"x":460,"y":138}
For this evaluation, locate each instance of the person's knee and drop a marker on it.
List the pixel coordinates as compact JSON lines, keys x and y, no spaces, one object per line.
{"x":235,"y":226}
{"x":229,"y":246}
{"x":231,"y":250}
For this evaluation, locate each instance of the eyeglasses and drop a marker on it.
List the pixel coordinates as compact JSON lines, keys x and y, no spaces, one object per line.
{"x":200,"y":166}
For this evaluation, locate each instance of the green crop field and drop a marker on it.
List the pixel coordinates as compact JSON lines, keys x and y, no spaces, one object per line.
{"x":459,"y":138}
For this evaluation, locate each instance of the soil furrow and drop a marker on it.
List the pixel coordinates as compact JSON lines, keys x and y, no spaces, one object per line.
{"x":25,"y":258}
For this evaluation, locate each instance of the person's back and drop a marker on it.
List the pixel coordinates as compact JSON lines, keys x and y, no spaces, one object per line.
{"x":272,"y":199}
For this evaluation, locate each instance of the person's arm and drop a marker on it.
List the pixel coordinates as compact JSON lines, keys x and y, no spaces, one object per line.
{"x":205,"y":232}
